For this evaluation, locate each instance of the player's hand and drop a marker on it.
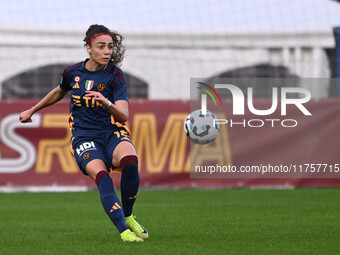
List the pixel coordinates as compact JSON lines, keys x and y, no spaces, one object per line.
{"x":98,"y":97}
{"x":25,"y":116}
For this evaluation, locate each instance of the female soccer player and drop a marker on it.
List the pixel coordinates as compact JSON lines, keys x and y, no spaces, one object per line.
{"x":100,"y":139}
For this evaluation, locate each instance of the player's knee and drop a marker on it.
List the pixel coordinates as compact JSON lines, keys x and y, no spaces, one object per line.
{"x":129,"y":166}
{"x":99,"y":175}
{"x":94,"y":167}
{"x":128,"y":160}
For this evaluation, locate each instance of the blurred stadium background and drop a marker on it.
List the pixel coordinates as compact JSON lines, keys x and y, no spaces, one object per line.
{"x":168,"y":42}
{"x":207,"y":39}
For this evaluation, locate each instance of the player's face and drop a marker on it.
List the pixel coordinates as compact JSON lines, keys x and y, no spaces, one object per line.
{"x":100,"y":50}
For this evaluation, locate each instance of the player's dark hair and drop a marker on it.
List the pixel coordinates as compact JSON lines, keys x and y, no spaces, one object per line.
{"x":118,"y":48}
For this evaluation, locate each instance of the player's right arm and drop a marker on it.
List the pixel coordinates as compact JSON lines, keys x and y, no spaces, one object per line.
{"x":51,"y":98}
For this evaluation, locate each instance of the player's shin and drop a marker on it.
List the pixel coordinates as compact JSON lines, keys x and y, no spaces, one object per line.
{"x":129,"y":182}
{"x":110,"y":200}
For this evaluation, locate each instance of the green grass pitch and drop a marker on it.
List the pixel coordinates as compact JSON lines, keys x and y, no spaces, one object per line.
{"x":231,"y":221}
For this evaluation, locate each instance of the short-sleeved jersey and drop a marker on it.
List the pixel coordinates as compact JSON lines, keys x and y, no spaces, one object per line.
{"x":88,"y":115}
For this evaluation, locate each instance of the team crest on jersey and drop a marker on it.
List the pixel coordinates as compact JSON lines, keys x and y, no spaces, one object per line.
{"x":101,"y":87}
{"x":86,"y":155}
{"x":89,"y":84}
{"x":77,"y":79}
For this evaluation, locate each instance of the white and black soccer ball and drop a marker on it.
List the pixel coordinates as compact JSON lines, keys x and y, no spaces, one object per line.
{"x":201,"y":129}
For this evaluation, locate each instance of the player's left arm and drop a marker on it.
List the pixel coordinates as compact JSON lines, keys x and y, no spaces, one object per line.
{"x":119,"y":109}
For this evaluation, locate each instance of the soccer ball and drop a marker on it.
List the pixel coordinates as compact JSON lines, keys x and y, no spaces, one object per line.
{"x":200,"y":128}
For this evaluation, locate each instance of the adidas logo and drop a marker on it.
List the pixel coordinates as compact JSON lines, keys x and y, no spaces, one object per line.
{"x":134,"y":196}
{"x":76,"y":86}
{"x":116,"y":206}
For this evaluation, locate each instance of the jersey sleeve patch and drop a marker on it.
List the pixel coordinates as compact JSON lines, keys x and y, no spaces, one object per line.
{"x":65,"y":83}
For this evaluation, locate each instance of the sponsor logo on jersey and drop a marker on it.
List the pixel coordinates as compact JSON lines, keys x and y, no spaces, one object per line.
{"x":76,"y":86}
{"x":89,"y":84}
{"x":101,"y":87}
{"x":84,"y":147}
